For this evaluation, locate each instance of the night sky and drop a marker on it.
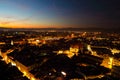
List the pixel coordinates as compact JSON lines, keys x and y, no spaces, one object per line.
{"x":60,"y":13}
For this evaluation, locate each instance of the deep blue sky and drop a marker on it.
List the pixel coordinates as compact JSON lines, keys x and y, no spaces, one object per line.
{"x":60,"y":13}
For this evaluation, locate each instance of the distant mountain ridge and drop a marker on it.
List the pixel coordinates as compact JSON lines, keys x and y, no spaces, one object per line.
{"x":64,"y":29}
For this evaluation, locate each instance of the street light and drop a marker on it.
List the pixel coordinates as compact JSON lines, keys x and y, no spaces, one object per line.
{"x":63,"y":73}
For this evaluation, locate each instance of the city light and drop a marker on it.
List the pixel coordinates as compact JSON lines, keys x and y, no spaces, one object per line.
{"x":63,"y":73}
{"x":13,"y":64}
{"x":60,"y":52}
{"x":110,"y":62}
{"x":33,"y":78}
{"x":37,"y":41}
{"x":24,"y":73}
{"x":43,"y":54}
{"x":19,"y":68}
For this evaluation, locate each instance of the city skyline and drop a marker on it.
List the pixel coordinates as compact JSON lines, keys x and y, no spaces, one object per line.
{"x":59,"y":13}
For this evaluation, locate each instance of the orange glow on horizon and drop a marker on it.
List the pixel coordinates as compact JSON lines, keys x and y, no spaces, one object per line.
{"x":29,"y":26}
{"x":32,"y":24}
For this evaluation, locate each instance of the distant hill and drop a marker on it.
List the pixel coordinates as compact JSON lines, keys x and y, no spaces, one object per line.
{"x":64,"y":29}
